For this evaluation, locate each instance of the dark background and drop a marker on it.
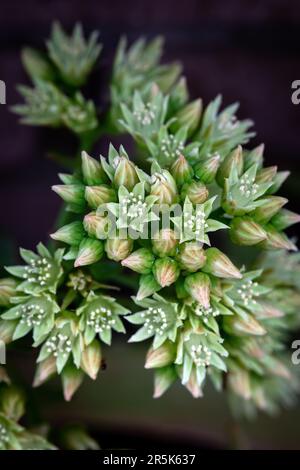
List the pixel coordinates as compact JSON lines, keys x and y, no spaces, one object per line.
{"x":246,"y":50}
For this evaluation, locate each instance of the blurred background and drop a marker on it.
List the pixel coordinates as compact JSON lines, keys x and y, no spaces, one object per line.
{"x":246,"y":50}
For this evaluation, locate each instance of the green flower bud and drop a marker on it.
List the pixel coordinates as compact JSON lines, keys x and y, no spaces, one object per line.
{"x":277,"y":240}
{"x":12,"y":403}
{"x":8,"y":287}
{"x":166,"y":271}
{"x":164,"y":187}
{"x":118,"y":249}
{"x":160,"y":357}
{"x":71,"y":233}
{"x":97,"y":195}
{"x":243,"y":326}
{"x":165,"y":243}
{"x":147,"y":286}
{"x":266,"y":175}
{"x":193,"y":386}
{"x":90,"y":251}
{"x":96,"y":225}
{"x":71,"y":193}
{"x":181,"y":170}
{"x":196,"y":191}
{"x":76,"y":438}
{"x":239,"y":383}
{"x":45,"y":369}
{"x":285,"y":219}
{"x":233,"y":160}
{"x":191,"y":256}
{"x":219,"y":265}
{"x":278,"y":180}
{"x":71,"y":380}
{"x":91,"y":359}
{"x":92,"y":170}
{"x":36,"y":65}
{"x":163,"y":379}
{"x":244,"y":231}
{"x":254,"y":157}
{"x":7,"y":329}
{"x":189,"y":116}
{"x":198,"y":286}
{"x":206,"y":170}
{"x":125,"y":173}
{"x":140,"y":261}
{"x":272,"y":204}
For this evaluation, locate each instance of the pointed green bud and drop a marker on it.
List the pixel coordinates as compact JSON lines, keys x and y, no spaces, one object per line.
{"x":181,"y":170}
{"x":278,"y":181}
{"x":272,"y":204}
{"x":96,"y":225}
{"x":285,"y":219}
{"x":71,"y":380}
{"x":163,"y":380}
{"x":277,"y":240}
{"x":8,"y":287}
{"x":191,"y":256}
{"x":165,"y":243}
{"x":193,"y":386}
{"x":90,"y":251}
{"x":92,"y":170}
{"x":242,"y":326}
{"x":45,"y":369}
{"x":98,"y":195}
{"x":239,"y":383}
{"x":269,"y":311}
{"x":266,"y":175}
{"x":12,"y":403}
{"x":196,"y":191}
{"x":166,"y":271}
{"x":219,"y":265}
{"x":206,"y":170}
{"x":233,"y":160}
{"x":37,"y":65}
{"x":188,"y":116}
{"x":254,"y":157}
{"x":76,"y":438}
{"x":118,"y":249}
{"x":244,"y":231}
{"x":7,"y":329}
{"x":91,"y":359}
{"x":72,"y":233}
{"x":162,"y":356}
{"x":140,"y":261}
{"x":277,"y":367}
{"x":125,"y":173}
{"x":198,"y":286}
{"x":164,"y":187}
{"x":71,"y":193}
{"x":179,"y":94}
{"x":147,"y":286}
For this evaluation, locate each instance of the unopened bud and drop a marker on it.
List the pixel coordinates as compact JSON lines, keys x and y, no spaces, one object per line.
{"x":147,"y":286}
{"x":266,"y":175}
{"x":76,"y":438}
{"x":277,"y":240}
{"x":285,"y":219}
{"x":244,"y":231}
{"x":160,"y":357}
{"x":193,"y":386}
{"x":125,"y":173}
{"x":91,"y":359}
{"x":72,"y":233}
{"x":164,"y":188}
{"x":198,"y":286}
{"x":8,"y":287}
{"x":92,"y":170}
{"x":206,"y":169}
{"x":96,"y":225}
{"x":140,"y":261}
{"x":272,"y":204}
{"x":98,"y":195}
{"x":90,"y":251}
{"x":163,"y":379}
{"x":254,"y":157}
{"x":7,"y":329}
{"x":165,"y":243}
{"x":36,"y":65}
{"x":166,"y":271}
{"x":278,"y":181}
{"x":12,"y":403}
{"x":218,"y":264}
{"x":242,"y":326}
{"x":45,"y":369}
{"x":238,"y":381}
{"x":191,"y":256}
{"x":189,"y":116}
{"x":233,"y":160}
{"x":118,"y":249}
{"x":181,"y":170}
{"x":196,"y":191}
{"x":71,"y":380}
{"x":71,"y":193}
